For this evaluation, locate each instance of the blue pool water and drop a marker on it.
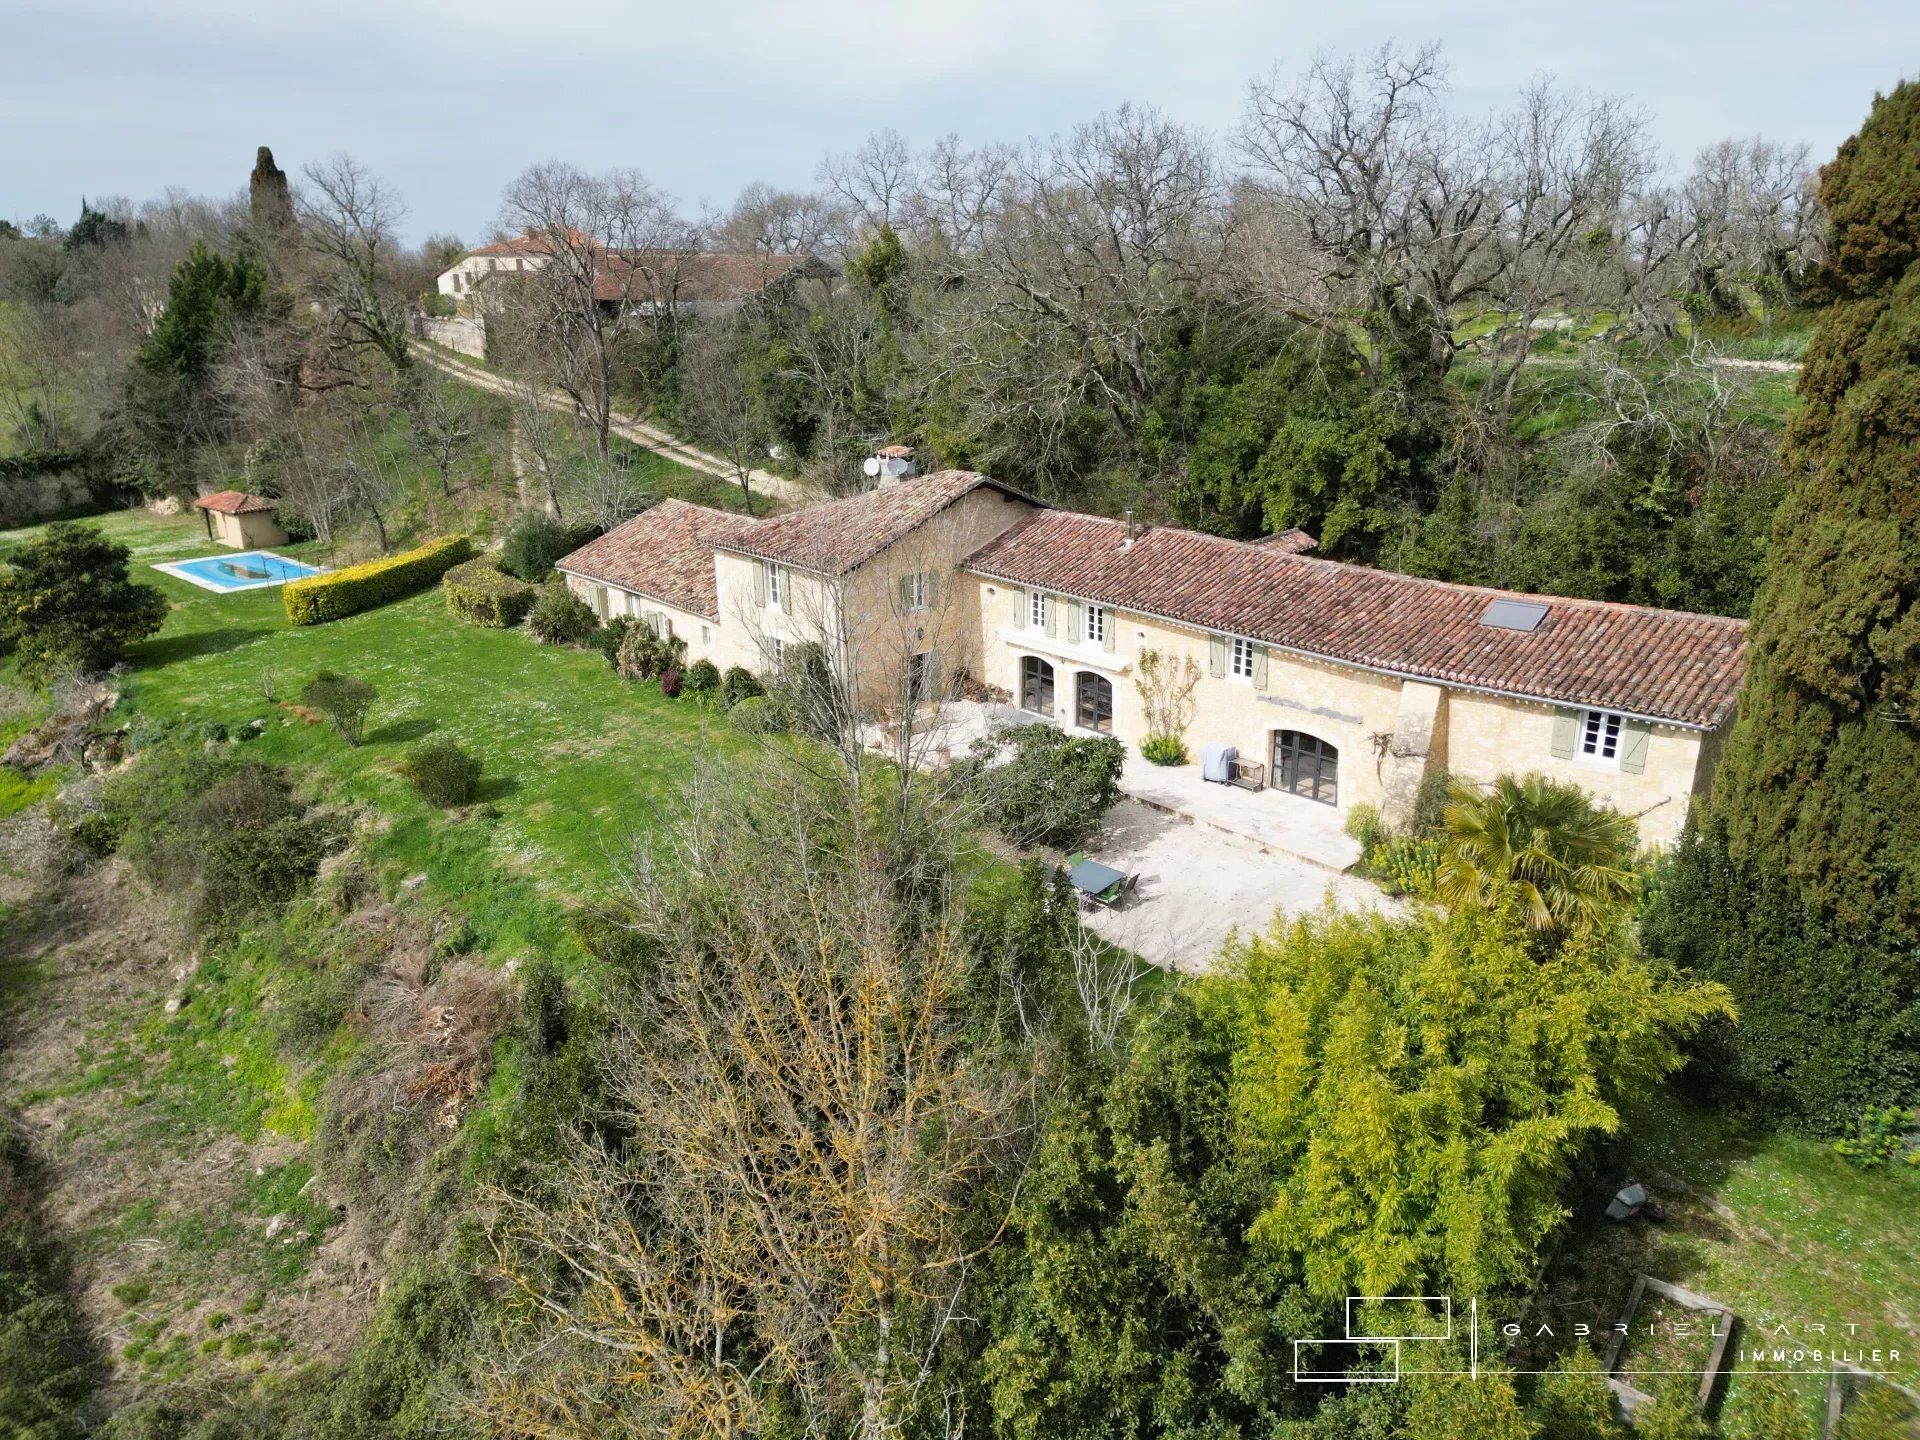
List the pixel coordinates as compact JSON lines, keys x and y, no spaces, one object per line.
{"x":246,"y":571}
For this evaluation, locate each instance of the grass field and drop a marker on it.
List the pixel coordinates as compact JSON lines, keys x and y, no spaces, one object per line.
{"x":1778,"y":1228}
{"x":576,"y":758}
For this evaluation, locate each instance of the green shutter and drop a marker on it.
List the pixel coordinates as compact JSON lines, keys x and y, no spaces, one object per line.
{"x":1259,"y":667}
{"x":1217,"y":660}
{"x":1634,"y":735}
{"x":1076,"y":624}
{"x":1052,"y":613}
{"x":1020,"y":609}
{"x":1566,"y":730}
{"x":760,"y":582}
{"x":903,"y":588}
{"x":933,"y":589}
{"x":1113,"y":625}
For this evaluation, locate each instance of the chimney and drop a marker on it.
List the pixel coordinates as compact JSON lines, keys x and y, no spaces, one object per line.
{"x":891,"y":464}
{"x":1127,"y":544}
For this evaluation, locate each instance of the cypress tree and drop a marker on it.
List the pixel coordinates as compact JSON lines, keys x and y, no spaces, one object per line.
{"x":1802,"y":888}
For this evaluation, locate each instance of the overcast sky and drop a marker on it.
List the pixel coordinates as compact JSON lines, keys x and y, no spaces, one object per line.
{"x":449,"y":101}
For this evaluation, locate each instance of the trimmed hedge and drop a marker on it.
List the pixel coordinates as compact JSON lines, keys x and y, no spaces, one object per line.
{"x":361,"y":587}
{"x":479,"y":591}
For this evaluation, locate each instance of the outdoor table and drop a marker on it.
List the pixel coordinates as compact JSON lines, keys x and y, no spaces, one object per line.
{"x":1090,"y":877}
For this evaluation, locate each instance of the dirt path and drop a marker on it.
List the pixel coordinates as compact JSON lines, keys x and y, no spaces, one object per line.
{"x":627,"y":428}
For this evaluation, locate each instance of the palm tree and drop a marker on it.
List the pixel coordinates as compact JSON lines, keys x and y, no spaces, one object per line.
{"x":1567,"y":860}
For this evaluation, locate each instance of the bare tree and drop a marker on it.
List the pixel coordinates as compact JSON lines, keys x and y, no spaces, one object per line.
{"x":348,"y":220}
{"x":821,"y":1149}
{"x":1370,"y":204}
{"x":724,"y":407}
{"x":780,"y":222}
{"x":444,"y":422}
{"x":875,"y":180}
{"x":539,"y":438}
{"x":605,"y":493}
{"x":610,"y":248}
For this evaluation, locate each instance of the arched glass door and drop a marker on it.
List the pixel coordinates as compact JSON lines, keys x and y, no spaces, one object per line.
{"x":1307,"y":766}
{"x":1093,"y":702}
{"x":1036,"y":685}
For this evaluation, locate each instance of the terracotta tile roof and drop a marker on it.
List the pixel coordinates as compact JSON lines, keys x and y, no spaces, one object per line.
{"x":665,"y":552}
{"x":233,"y":502}
{"x":517,"y":245}
{"x":843,"y":534}
{"x":1288,"y":542}
{"x":686,"y":276}
{"x":1659,"y":664}
{"x":895,"y":452}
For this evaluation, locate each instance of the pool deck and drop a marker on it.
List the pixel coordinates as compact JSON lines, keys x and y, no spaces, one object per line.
{"x":182,"y":570}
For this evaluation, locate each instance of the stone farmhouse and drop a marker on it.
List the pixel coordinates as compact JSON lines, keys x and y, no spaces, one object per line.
{"x":701,"y":281}
{"x":1338,"y":684}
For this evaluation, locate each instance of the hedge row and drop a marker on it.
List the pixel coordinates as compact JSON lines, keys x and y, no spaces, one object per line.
{"x":480,"y":591}
{"x":361,"y":587}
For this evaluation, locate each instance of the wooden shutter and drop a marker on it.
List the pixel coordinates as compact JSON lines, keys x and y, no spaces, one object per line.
{"x":1051,"y":613}
{"x":933,"y":589}
{"x":1217,"y":660}
{"x":760,"y":582}
{"x":1020,"y":609}
{"x":1075,"y":623}
{"x":904,"y":587}
{"x":1259,"y":667}
{"x":1634,"y":735}
{"x":1107,"y":631}
{"x":1566,"y":732}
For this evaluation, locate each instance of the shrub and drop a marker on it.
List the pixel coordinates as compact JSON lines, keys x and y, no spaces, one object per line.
{"x":479,"y":591}
{"x":559,"y":617}
{"x":611,"y":636}
{"x":442,"y":772}
{"x":1040,"y":786}
{"x":534,"y":541}
{"x":758,"y":715}
{"x":811,"y":692}
{"x":1887,"y":1133}
{"x":644,"y":655}
{"x":739,"y":684}
{"x":343,"y":700}
{"x":361,"y":587}
{"x":701,"y":678}
{"x":66,"y":603}
{"x":1407,"y":864}
{"x":223,"y":834}
{"x":1164,"y":750}
{"x":1365,"y":826}
{"x":670,"y":683}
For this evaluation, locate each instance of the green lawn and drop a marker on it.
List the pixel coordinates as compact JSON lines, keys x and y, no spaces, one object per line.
{"x":1780,"y":1229}
{"x":576,"y":758}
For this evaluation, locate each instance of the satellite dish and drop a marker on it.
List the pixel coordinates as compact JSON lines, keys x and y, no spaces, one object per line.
{"x":870,"y":466}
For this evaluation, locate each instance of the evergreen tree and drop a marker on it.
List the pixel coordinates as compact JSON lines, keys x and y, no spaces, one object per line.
{"x":1817,"y":790}
{"x":65,"y":600}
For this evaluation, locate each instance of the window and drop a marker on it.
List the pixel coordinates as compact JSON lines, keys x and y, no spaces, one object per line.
{"x":1093,"y":702}
{"x":1036,"y":610}
{"x":1599,"y":735}
{"x":1036,"y":685}
{"x":1095,"y":624}
{"x":776,"y":585}
{"x":779,"y":651}
{"x":1240,"y":658}
{"x":916,"y":590}
{"x":1306,"y":766}
{"x":706,"y":635}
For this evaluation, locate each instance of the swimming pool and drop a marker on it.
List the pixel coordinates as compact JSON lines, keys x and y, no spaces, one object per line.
{"x":249,"y":570}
